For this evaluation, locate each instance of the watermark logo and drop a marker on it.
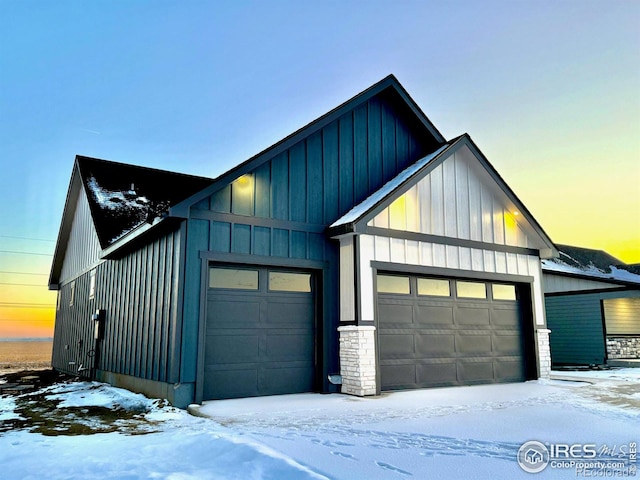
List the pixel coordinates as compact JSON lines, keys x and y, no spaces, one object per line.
{"x":533,"y":457}
{"x":586,"y":459}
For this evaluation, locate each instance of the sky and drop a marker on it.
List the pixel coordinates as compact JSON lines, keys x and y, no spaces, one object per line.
{"x":548,"y":90}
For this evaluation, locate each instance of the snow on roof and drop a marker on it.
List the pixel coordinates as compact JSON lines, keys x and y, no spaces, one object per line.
{"x":122,"y":197}
{"x":125,"y":205}
{"x":590,"y":263}
{"x":359,"y":210}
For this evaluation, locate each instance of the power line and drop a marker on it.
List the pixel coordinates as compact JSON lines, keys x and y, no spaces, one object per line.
{"x":27,"y":238}
{"x":27,"y":253}
{"x":26,"y":305}
{"x":24,"y":273}
{"x":24,"y":284}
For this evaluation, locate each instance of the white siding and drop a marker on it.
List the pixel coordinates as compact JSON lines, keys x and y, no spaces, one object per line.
{"x":83,"y":247}
{"x":456,"y":200}
{"x":347,"y":286}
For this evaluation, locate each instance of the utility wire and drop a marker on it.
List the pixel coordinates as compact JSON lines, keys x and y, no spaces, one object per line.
{"x":24,"y":284}
{"x":24,"y":273}
{"x":27,"y":238}
{"x":27,"y":253}
{"x":26,"y":305}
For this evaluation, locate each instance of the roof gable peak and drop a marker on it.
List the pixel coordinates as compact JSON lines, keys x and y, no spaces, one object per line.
{"x":389,"y":85}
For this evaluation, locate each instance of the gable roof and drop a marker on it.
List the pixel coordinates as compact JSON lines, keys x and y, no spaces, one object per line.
{"x":122,"y":198}
{"x":388,"y":86}
{"x":591,"y":264}
{"x":356,"y":219}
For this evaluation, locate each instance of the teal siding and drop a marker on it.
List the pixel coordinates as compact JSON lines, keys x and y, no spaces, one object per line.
{"x":577,"y":335}
{"x":197,"y":241}
{"x":140,"y":295}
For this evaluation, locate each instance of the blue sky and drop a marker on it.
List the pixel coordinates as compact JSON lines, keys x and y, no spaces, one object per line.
{"x":549,"y":90}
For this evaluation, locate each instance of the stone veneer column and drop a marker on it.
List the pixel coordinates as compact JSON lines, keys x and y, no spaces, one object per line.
{"x":544,"y":352}
{"x":358,"y":360}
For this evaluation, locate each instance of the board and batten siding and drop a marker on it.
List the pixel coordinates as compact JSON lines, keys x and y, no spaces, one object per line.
{"x":318,"y":179}
{"x":140,"y":296}
{"x":455,"y":200}
{"x":73,"y":344}
{"x":83,"y":247}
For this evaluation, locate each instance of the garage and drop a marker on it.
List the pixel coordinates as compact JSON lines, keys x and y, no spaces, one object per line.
{"x":260,"y":332}
{"x":443,"y":332}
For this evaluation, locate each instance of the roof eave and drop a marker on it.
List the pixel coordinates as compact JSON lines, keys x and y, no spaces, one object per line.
{"x":593,"y":278}
{"x":138,"y":236}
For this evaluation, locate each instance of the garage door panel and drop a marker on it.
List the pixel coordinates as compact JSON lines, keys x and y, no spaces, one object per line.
{"x":237,"y":313}
{"x":509,"y":370}
{"x":231,"y":383}
{"x":475,"y":372}
{"x":467,"y":344}
{"x":507,"y":343}
{"x":396,"y":346}
{"x":437,"y":374}
{"x":430,"y":345}
{"x":294,"y":312}
{"x":390,"y":313}
{"x":285,"y":379}
{"x":506,"y":317}
{"x":398,"y":376}
{"x":433,"y":315}
{"x":226,"y":349}
{"x":472,"y":315}
{"x":289,"y":347}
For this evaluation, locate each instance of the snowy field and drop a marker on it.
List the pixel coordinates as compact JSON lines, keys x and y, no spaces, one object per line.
{"x":101,"y":432}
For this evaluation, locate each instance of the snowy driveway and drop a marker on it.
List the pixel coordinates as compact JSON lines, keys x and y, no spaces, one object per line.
{"x":464,"y":432}
{"x":446,"y":433}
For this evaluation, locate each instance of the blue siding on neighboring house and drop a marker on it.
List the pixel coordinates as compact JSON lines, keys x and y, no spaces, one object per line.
{"x":577,"y":335}
{"x":577,"y":326}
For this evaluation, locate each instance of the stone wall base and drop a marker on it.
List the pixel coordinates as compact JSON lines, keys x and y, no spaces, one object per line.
{"x":623,"y":347}
{"x":544,"y":352}
{"x":358,"y":360}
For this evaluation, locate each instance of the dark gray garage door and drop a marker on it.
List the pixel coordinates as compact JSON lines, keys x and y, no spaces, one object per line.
{"x":260,"y":333}
{"x":439,"y":331}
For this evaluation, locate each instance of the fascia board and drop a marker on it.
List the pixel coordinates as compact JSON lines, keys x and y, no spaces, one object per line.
{"x":71,"y":201}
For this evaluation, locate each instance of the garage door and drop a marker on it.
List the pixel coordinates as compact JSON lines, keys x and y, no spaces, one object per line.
{"x":439,"y":332}
{"x":260,"y":333}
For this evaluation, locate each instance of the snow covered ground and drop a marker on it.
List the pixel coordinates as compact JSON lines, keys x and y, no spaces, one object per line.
{"x":464,"y":432}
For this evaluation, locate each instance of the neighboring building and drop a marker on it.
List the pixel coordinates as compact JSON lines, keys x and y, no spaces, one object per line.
{"x":364,"y":250}
{"x":593,"y":307}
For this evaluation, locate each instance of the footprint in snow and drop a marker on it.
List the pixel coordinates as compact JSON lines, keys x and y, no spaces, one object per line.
{"x":388,"y":466}
{"x":327,"y":443}
{"x":344,"y":455}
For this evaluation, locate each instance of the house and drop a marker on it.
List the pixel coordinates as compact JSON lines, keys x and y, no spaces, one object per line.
{"x":362,"y":253}
{"x":593,"y":307}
